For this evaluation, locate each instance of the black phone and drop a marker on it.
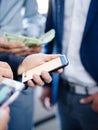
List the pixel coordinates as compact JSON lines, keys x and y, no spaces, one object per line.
{"x":49,"y":66}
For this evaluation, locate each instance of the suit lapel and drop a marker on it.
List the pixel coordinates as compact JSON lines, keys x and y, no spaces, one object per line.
{"x":91,"y":15}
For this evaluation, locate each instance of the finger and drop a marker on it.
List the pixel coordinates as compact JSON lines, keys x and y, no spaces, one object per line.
{"x":95,"y":107}
{"x":42,"y":99}
{"x":47,"y":104}
{"x":5,"y":69}
{"x":37,"y":79}
{"x":6,"y":73}
{"x":4,"y":44}
{"x":3,"y":50}
{"x":5,"y":113}
{"x":4,"y":64}
{"x":16,"y":51}
{"x":59,"y":71}
{"x":19,"y":50}
{"x":6,"y":108}
{"x":86,"y":100}
{"x":31,"y":83}
{"x":11,"y":45}
{"x":14,"y":45}
{"x":35,"y":49}
{"x":22,"y":53}
{"x":46,"y":77}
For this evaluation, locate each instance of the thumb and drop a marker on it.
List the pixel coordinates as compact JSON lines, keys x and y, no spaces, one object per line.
{"x":86,"y":100}
{"x":51,"y":56}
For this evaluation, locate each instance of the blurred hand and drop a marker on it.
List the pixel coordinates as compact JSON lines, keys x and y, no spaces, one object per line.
{"x":4,"y":117}
{"x":35,"y":49}
{"x":5,"y":71}
{"x":18,"y":48}
{"x":34,"y":60}
{"x":93,"y":99}
{"x":46,"y":97}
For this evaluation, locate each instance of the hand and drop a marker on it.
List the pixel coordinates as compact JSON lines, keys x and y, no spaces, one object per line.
{"x":91,"y":99}
{"x":35,"y":60}
{"x":5,"y":71}
{"x":4,"y":117}
{"x":35,"y":49}
{"x":18,"y":49}
{"x":46,"y":97}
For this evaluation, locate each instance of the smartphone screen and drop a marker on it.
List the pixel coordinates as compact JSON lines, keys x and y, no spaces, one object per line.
{"x":9,"y":90}
{"x":5,"y":92}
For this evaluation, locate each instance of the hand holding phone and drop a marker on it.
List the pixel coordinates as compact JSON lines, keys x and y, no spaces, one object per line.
{"x":49,"y":66}
{"x":10,"y":89}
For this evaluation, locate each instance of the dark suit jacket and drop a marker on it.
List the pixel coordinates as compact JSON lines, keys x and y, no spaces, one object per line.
{"x":89,"y":45}
{"x":12,"y":60}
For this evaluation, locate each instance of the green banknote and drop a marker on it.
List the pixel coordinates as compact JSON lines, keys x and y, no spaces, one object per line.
{"x":45,"y":38}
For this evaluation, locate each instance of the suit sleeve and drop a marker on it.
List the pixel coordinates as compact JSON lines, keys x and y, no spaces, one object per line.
{"x":13,"y":61}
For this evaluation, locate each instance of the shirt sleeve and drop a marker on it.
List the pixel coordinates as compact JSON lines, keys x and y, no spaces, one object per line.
{"x":33,"y":21}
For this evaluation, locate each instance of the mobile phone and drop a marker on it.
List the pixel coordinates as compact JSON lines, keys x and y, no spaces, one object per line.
{"x":9,"y":91}
{"x":49,"y":66}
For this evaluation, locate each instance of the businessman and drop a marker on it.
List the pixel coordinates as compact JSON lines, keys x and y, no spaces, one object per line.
{"x":76,"y":25}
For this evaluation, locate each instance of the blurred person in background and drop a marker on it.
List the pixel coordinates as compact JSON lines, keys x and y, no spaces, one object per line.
{"x":20,"y":17}
{"x":76,"y":25}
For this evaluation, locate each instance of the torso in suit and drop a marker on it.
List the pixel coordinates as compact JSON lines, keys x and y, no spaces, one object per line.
{"x":73,"y":115}
{"x":89,"y":45}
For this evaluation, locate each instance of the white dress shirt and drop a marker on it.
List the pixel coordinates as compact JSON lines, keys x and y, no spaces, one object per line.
{"x":74,"y":23}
